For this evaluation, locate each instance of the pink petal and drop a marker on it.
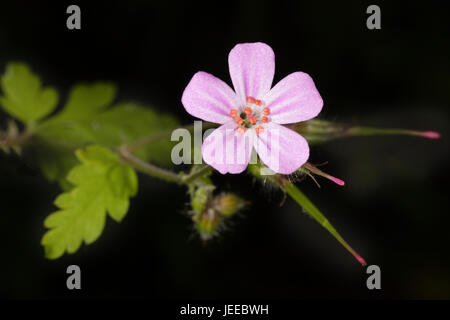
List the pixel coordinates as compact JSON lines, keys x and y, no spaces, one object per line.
{"x":209,"y":98}
{"x":281,"y":149}
{"x":294,"y":99}
{"x":227,"y":150}
{"x":252,"y":66}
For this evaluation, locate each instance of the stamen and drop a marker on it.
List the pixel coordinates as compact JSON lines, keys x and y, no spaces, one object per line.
{"x":241,"y":130}
{"x":239,"y":121}
{"x":265,"y":119}
{"x":250,"y":99}
{"x":259,"y":130}
{"x":247,"y":110}
{"x":258,"y":102}
{"x":252,"y":119}
{"x":233,"y":113}
{"x":266,"y":111}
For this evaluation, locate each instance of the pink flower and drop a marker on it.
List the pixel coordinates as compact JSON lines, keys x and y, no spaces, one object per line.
{"x":252,"y":115}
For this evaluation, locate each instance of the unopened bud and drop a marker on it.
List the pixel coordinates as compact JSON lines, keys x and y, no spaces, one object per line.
{"x":200,"y":199}
{"x":228,"y":204}
{"x":216,"y":211}
{"x":207,"y":224}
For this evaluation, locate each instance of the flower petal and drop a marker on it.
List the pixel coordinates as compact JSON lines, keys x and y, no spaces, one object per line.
{"x":281,"y":149}
{"x":209,"y":98}
{"x":226,"y":150}
{"x":294,"y":99}
{"x":252,"y":66}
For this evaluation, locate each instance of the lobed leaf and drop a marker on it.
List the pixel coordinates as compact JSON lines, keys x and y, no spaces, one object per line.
{"x":23,"y":95}
{"x":86,"y":100}
{"x":102,"y":185}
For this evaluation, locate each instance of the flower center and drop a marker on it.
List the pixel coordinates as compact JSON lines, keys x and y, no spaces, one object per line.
{"x":252,"y":115}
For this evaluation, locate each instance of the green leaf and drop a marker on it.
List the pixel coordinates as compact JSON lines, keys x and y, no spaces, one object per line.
{"x":56,"y":163}
{"x":86,"y":100}
{"x":101,"y":185}
{"x":312,"y":210}
{"x":24,"y":98}
{"x":86,"y":119}
{"x":96,"y":156}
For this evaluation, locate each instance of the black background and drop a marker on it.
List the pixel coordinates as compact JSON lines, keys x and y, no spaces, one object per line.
{"x":394,"y":209}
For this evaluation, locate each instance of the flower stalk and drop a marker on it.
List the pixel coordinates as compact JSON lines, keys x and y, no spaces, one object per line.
{"x":319,"y":131}
{"x":149,"y":169}
{"x":13,"y":138}
{"x":163,"y":174}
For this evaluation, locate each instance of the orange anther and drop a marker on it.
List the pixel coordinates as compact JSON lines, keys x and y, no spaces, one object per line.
{"x":259,"y":130}
{"x":252,"y":119}
{"x":250,"y":99}
{"x":265,"y":119}
{"x":233,"y":113}
{"x":247,"y":110}
{"x":239,"y":121}
{"x":266,"y":111}
{"x":258,"y":102}
{"x":241,"y":130}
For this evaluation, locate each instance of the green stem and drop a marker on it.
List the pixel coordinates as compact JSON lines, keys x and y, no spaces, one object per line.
{"x":164,"y":174}
{"x":318,"y":131}
{"x":18,"y":140}
{"x":152,"y":170}
{"x":205,"y":170}
{"x":149,"y":168}
{"x":125,"y":152}
{"x":370,"y":131}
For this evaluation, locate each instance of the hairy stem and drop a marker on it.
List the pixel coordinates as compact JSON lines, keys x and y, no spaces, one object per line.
{"x":152,"y":170}
{"x":205,"y":170}
{"x":164,"y":174}
{"x":149,"y":168}
{"x":289,"y":188}
{"x":319,"y":131}
{"x":16,"y":140}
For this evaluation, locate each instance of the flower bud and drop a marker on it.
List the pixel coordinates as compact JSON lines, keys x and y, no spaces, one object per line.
{"x":207,"y":223}
{"x":228,"y":204}
{"x":215,"y":212}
